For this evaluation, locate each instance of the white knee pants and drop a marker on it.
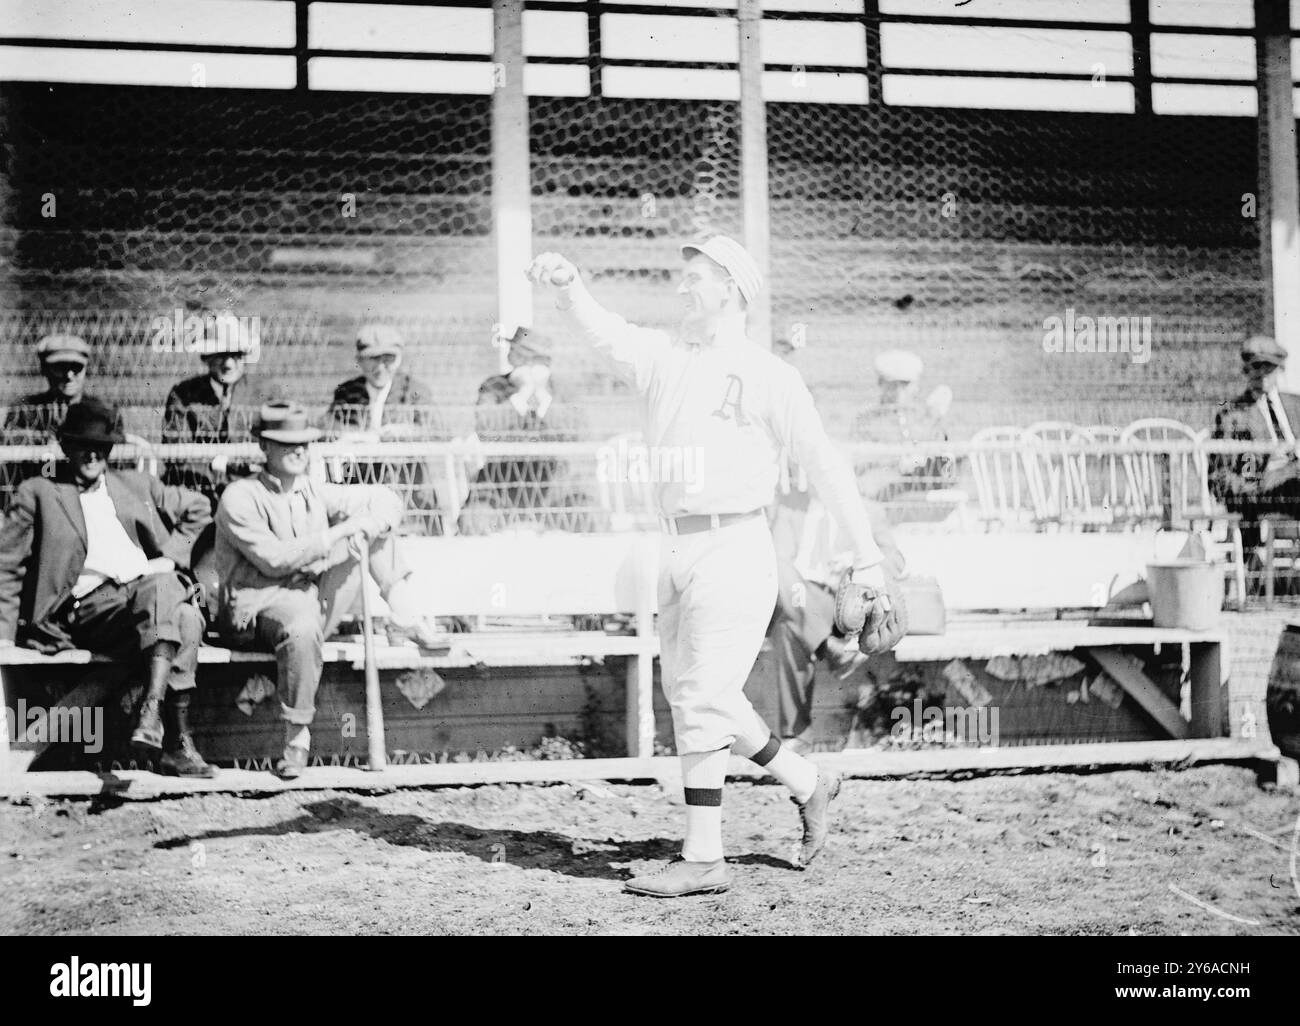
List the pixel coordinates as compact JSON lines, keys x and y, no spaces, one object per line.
{"x":716,"y":593}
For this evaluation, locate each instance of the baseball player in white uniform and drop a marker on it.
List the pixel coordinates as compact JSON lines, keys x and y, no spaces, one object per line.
{"x":734,"y":407}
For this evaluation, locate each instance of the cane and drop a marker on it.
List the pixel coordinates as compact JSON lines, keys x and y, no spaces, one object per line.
{"x":374,"y":712}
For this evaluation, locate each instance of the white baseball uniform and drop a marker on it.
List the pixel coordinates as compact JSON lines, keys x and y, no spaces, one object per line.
{"x":734,"y":408}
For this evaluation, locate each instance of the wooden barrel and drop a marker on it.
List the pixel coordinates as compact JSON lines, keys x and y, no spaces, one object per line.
{"x":1283,"y":697}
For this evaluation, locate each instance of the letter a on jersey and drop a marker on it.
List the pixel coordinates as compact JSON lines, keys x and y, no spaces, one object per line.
{"x":733,"y":399}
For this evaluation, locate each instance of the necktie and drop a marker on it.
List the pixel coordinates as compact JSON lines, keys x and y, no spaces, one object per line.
{"x":1280,"y":425}
{"x":299,"y":521}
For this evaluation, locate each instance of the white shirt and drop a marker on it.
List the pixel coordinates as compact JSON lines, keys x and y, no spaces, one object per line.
{"x":378,"y":396}
{"x":741,"y":408}
{"x":111,"y":555}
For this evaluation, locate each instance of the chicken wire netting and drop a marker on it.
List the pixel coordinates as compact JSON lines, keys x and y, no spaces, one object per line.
{"x":955,"y":234}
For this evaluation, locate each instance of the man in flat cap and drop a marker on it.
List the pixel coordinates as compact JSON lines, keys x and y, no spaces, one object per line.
{"x":899,"y":417}
{"x":288,"y":573}
{"x":90,"y":559}
{"x":63,"y":361}
{"x":1253,"y":484}
{"x":216,"y":407}
{"x":522,"y":406}
{"x":384,"y":403}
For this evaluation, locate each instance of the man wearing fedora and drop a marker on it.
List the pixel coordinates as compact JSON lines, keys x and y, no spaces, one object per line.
{"x":1249,"y":483}
{"x":63,"y":360}
{"x":384,"y":403}
{"x":288,"y":569}
{"x":218,"y":407}
{"x":90,"y":558}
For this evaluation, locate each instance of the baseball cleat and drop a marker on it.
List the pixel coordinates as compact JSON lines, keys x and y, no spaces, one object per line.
{"x":815,"y":813}
{"x":680,"y":878}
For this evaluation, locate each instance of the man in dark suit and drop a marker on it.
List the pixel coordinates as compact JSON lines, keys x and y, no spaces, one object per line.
{"x":63,"y":364}
{"x":216,"y":407}
{"x":522,"y":406}
{"x":89,"y":560}
{"x":383,"y":403}
{"x":1255,"y":484}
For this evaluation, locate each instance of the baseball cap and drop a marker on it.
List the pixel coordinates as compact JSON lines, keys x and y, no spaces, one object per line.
{"x":63,"y":349}
{"x":378,"y":339}
{"x":1262,"y":349}
{"x":529,"y":346}
{"x":734,"y":258}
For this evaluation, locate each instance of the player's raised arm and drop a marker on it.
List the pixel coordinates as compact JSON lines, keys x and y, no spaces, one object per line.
{"x":625,"y":342}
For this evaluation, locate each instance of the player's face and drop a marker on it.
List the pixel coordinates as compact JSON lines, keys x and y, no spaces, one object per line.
{"x":286,"y":459}
{"x":68,"y":379}
{"x":705,"y":288}
{"x":226,"y":368}
{"x":379,"y":370}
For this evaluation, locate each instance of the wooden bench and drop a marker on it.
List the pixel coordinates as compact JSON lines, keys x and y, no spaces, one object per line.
{"x":513,"y":576}
{"x":1044,"y":577}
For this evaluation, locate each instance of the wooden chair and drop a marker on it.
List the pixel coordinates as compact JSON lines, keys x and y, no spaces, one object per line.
{"x":1007,"y":480}
{"x":1105,"y":480}
{"x":1173,"y":490}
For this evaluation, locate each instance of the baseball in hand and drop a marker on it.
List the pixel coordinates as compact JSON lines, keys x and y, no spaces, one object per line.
{"x":551,"y":269}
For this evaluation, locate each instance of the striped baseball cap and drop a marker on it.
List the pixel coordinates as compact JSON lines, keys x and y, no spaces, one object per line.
{"x":734,"y":258}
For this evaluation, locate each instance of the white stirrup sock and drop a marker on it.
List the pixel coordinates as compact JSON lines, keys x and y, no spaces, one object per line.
{"x":792,"y":769}
{"x":703,"y":775}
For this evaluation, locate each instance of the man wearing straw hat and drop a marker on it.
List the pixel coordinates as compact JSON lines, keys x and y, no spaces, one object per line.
{"x":287,"y":572}
{"x":710,"y":390}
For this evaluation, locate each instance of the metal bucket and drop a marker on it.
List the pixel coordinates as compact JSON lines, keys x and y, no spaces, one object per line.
{"x":1185,"y":593}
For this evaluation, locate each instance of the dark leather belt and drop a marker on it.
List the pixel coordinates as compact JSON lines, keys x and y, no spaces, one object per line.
{"x":694,"y":523}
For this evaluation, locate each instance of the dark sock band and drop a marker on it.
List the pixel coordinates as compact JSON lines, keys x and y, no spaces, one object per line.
{"x":707,"y":796}
{"x":767,"y":753}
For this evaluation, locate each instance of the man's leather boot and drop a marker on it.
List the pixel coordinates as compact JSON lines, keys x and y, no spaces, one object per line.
{"x":180,"y":758}
{"x":149,"y":726}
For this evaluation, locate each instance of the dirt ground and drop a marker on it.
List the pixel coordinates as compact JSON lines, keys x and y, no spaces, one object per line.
{"x":1041,"y":854}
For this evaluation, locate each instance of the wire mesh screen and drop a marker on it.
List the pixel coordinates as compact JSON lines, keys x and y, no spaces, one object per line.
{"x":961,"y":236}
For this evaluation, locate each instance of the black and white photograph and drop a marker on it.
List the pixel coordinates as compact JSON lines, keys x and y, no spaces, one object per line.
{"x":641,"y":468}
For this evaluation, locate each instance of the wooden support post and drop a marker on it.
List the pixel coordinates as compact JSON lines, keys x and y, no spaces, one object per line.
{"x":511,"y":189}
{"x":1278,"y":204}
{"x":1207,"y":689}
{"x":753,"y":166}
{"x":641,"y":667}
{"x":1119,"y":664}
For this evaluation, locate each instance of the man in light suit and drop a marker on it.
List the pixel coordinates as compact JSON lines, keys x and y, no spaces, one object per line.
{"x":89,"y":559}
{"x":1255,"y":484}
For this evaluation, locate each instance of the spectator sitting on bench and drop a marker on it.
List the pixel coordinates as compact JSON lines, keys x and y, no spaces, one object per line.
{"x":216,"y":407}
{"x":89,"y":560}
{"x":288,"y":575}
{"x":383,"y":403}
{"x":1253,"y":484}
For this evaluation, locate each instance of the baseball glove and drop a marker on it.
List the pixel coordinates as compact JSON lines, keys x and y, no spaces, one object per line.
{"x":879,"y":618}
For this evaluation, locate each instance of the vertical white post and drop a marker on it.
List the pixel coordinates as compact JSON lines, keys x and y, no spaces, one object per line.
{"x":511,"y":191}
{"x":753,"y":165}
{"x":640,"y":668}
{"x":1279,"y":183}
{"x":5,"y":768}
